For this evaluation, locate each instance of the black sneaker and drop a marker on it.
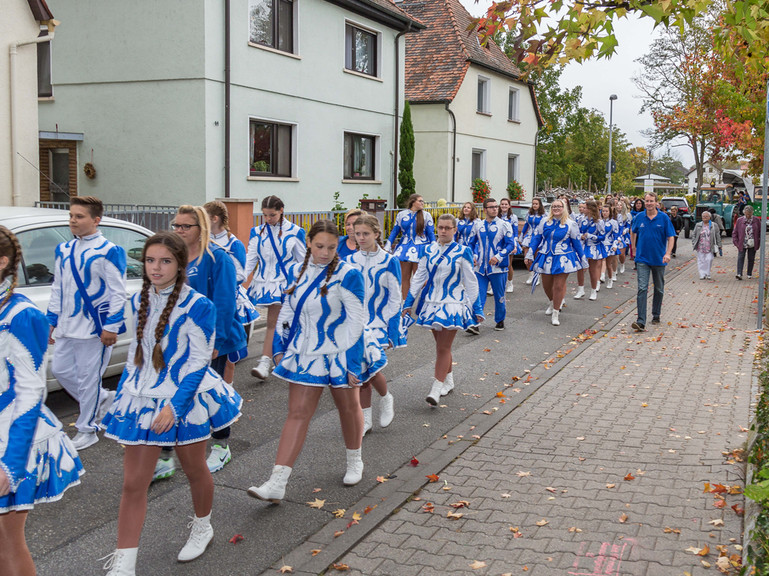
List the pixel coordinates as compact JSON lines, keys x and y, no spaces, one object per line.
{"x":473,"y":331}
{"x":656,"y":320}
{"x":500,"y":326}
{"x":638,"y":327}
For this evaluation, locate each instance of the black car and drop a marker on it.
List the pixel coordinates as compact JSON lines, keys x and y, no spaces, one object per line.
{"x":683,"y":210}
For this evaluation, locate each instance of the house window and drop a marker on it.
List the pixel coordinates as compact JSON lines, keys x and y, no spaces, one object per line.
{"x":44,"y":86}
{"x":479,"y":164}
{"x":512,"y":105}
{"x":359,"y":156}
{"x":270,"y":149}
{"x":484,"y":105}
{"x":271,"y":23}
{"x":512,"y":167}
{"x":360,"y":50}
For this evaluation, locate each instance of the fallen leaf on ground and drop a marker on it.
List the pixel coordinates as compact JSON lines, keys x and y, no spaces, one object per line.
{"x":574,"y":529}
{"x":454,"y":515}
{"x":428,"y":507}
{"x":237,"y":538}
{"x":356,"y":516}
{"x":667,"y":530}
{"x":522,"y":474}
{"x":477,"y":565}
{"x":460,"y":504}
{"x":369,"y":508}
{"x":381,"y":479}
{"x":629,"y":477}
{"x":716,"y":522}
{"x":316,"y":503}
{"x":338,"y":533}
{"x":316,"y":490}
{"x":339,"y":513}
{"x":340,"y":567}
{"x":414,"y":461}
{"x":611,"y":485}
{"x":432,"y":477}
{"x":542,"y":522}
{"x":551,"y":489}
{"x":623,"y":518}
{"x":506,"y":495}
{"x":315,"y":552}
{"x":286,"y":570}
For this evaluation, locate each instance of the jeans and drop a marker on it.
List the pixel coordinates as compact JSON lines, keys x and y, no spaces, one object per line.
{"x":658,"y":276}
{"x":751,"y":252}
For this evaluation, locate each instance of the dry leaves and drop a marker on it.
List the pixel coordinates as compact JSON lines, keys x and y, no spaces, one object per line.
{"x":542,"y":522}
{"x":286,"y":569}
{"x":317,"y":503}
{"x":477,"y":565}
{"x":432,"y":477}
{"x":623,"y":518}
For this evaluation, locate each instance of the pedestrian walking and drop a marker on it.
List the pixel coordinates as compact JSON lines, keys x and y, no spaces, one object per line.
{"x":706,"y":241}
{"x":533,"y":218}
{"x":506,"y":213}
{"x":382,"y":307}
{"x":319,"y":345}
{"x":746,"y":236}
{"x":466,"y":225}
{"x":556,"y":243}
{"x":492,"y":245}
{"x":86,"y":313}
{"x":347,"y":243}
{"x":592,"y":231}
{"x":168,"y":396}
{"x":276,"y":246}
{"x":417,"y":231}
{"x":38,"y":462}
{"x":678,"y":223}
{"x":652,"y":242}
{"x":449,"y":299}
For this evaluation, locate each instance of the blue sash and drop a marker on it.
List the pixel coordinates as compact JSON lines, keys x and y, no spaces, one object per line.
{"x":275,"y":248}
{"x":407,"y":319}
{"x":300,"y":304}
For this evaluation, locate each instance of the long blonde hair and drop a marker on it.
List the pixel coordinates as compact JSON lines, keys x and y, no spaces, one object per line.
{"x":202,"y":220}
{"x":564,"y":214}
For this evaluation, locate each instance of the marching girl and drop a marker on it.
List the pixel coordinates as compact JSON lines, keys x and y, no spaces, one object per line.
{"x":610,"y":242}
{"x":467,"y":224}
{"x":382,"y":306}
{"x":578,"y":218}
{"x":37,"y":460}
{"x":319,"y":345}
{"x":275,"y":246}
{"x":506,"y":213}
{"x":245,"y":311}
{"x":417,"y":232}
{"x":533,"y":218}
{"x":592,"y":233}
{"x":448,"y":301}
{"x":347,"y":243}
{"x":624,"y":220}
{"x":168,"y":396}
{"x":558,"y":253}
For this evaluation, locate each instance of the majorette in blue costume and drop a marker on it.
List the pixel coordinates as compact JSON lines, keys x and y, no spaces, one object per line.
{"x":412,"y":245}
{"x":558,"y":248}
{"x":595,"y":231}
{"x":274,"y":249}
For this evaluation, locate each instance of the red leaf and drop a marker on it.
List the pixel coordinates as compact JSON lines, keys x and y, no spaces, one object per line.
{"x":739,"y":511}
{"x":414,"y":461}
{"x":629,"y":477}
{"x":237,"y":538}
{"x":432,"y":477}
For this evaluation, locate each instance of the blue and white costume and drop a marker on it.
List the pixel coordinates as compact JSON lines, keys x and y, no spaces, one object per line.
{"x":450,"y":299}
{"x":466,"y":230}
{"x":274,"y":262}
{"x":624,"y":231}
{"x":213,"y":276}
{"x":412,"y":245}
{"x":594,"y":248}
{"x":382,"y":306}
{"x":493,"y":239}
{"x":38,"y":458}
{"x":326,"y":342}
{"x":79,"y":357}
{"x":531,"y":223}
{"x":558,"y":248}
{"x":200,"y":399}
{"x":343,"y":249}
{"x":611,"y":236}
{"x":245,"y":312}
{"x":512,"y":219}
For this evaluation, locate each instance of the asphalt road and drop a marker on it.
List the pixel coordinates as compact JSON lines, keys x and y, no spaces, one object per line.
{"x":68,"y":537}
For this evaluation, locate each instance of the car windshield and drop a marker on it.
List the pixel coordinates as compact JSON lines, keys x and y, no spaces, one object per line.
{"x":520,"y":211}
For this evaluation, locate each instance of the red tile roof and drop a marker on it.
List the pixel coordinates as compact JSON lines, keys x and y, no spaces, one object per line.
{"x":438,"y":57}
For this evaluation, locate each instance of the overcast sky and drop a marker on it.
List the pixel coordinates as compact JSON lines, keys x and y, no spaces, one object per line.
{"x":601,"y":78}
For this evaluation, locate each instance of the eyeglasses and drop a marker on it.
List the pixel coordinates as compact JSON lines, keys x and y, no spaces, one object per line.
{"x":490,"y":207}
{"x":184,"y":227}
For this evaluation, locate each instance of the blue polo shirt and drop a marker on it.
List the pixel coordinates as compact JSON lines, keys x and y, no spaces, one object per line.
{"x":652,"y":237}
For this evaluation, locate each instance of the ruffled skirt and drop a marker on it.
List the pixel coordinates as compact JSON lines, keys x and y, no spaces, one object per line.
{"x":245,"y":312}
{"x":129,"y":420}
{"x":409,"y":252}
{"x":313,"y":370}
{"x":448,"y":316}
{"x":558,"y":264}
{"x":263,"y":293}
{"x":595,"y":252}
{"x":53,"y":467}
{"x":374,"y":357}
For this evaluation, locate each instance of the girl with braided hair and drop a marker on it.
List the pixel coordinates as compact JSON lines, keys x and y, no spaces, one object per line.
{"x":37,"y":460}
{"x":319,"y":344}
{"x":168,"y":396}
{"x":417,"y":232}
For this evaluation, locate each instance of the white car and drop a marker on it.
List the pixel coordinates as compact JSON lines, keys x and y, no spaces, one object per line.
{"x":39,"y":231}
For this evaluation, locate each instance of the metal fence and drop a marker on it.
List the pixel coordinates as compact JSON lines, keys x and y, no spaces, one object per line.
{"x":155,"y":218}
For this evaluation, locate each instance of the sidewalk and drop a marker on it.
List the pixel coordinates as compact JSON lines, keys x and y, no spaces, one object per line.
{"x":601,"y":471}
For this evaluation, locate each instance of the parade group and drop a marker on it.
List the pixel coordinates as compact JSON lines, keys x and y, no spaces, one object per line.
{"x":334,"y":306}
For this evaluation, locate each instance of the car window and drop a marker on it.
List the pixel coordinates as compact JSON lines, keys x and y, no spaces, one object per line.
{"x":520,"y":211}
{"x":132,"y":242}
{"x":38,"y":248}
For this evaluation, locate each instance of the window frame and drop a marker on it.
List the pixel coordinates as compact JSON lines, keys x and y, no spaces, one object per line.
{"x":375,"y":153}
{"x":486,"y":103}
{"x":481,"y":165}
{"x":377,"y":60}
{"x":274,"y":46}
{"x":516,"y":159}
{"x":514,"y":105}
{"x":45,"y":48}
{"x":275,"y":174}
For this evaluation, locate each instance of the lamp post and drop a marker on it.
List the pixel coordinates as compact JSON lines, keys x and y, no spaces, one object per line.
{"x":612,"y":98}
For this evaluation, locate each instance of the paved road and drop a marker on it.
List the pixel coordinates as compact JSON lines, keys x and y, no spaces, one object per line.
{"x":68,"y":537}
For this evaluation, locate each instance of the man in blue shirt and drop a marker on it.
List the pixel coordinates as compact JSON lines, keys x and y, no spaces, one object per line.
{"x":652,"y":236}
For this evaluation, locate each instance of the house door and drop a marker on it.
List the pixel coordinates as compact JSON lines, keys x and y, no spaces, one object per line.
{"x":59,"y":162}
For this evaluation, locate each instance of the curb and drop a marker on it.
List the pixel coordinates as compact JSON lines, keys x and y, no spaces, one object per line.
{"x":390,"y":495}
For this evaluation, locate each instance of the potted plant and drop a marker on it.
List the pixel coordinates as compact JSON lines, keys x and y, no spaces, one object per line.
{"x":481,"y":190}
{"x":515,"y":190}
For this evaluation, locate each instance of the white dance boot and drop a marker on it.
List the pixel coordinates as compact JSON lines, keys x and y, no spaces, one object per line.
{"x":530,"y":279}
{"x":435,"y":393}
{"x":262,"y":370}
{"x":201,"y":535}
{"x":549,"y":308}
{"x":603,"y":277}
{"x":580,"y":292}
{"x":510,"y":287}
{"x":122,"y":562}
{"x":386,"y":410}
{"x":622,"y":268}
{"x":354,"y":468}
{"x":368,"y":422}
{"x":448,"y":384}
{"x":554,"y":319}
{"x":275,"y":488}
{"x":593,"y":295}
{"x":610,"y":283}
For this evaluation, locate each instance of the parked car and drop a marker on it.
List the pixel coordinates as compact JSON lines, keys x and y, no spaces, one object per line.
{"x":684,"y":210}
{"x":39,"y":231}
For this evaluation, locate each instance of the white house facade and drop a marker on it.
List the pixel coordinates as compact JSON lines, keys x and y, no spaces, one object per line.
{"x":306,"y":92}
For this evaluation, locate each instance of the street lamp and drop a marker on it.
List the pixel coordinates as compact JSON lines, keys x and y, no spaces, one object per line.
{"x":612,"y":98}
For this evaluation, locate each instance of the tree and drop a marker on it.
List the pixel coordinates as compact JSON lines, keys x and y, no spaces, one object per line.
{"x":406,"y":162}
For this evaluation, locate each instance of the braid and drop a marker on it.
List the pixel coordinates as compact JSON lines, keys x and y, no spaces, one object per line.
{"x":280,"y":227}
{"x":157,"y":351}
{"x":329,"y":273}
{"x":142,"y":316}
{"x":13,"y":262}
{"x":301,"y":273}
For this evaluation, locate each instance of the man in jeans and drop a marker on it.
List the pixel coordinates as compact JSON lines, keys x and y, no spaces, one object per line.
{"x":652,"y":236}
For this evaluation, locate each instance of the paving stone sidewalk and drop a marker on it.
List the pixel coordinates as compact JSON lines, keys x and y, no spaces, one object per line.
{"x":601,"y":471}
